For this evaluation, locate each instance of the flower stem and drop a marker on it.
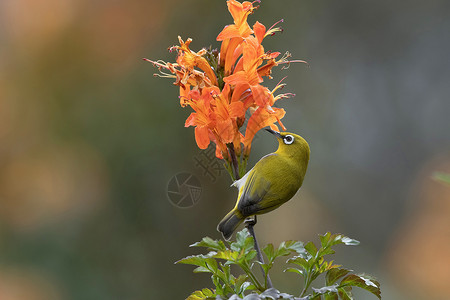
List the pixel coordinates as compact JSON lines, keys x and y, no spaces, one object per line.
{"x":234,"y":161}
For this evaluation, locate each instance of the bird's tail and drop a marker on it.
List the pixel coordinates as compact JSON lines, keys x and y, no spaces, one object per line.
{"x":229,"y":223}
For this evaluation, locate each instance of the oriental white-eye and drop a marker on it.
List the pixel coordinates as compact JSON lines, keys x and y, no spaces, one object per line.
{"x":273,"y":180}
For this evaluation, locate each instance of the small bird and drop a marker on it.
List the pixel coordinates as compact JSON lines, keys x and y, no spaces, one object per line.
{"x":273,"y":180}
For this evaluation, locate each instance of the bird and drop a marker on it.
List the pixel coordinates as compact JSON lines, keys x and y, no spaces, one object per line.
{"x":273,"y":180}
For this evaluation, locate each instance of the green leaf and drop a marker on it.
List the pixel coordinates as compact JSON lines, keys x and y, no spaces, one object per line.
{"x":348,"y":241}
{"x":345,"y":293}
{"x":326,"y":289}
{"x":202,"y":270}
{"x":211,"y":244}
{"x":328,"y":240}
{"x":245,"y":286}
{"x":227,"y":255}
{"x":334,"y":275}
{"x":211,"y":263}
{"x":311,"y":248}
{"x":266,"y":267}
{"x":198,"y":295}
{"x":270,"y":252}
{"x":241,"y":284}
{"x":217,"y":284}
{"x":363,"y":281}
{"x":295,"y":270}
{"x":272,"y":293}
{"x":197,"y":260}
{"x":227,"y":277}
{"x":331,"y":296}
{"x":299,"y":261}
{"x":208,"y":292}
{"x":325,"y":239}
{"x":243,"y":242}
{"x":293,"y":246}
{"x":250,"y":255}
{"x":326,"y":251}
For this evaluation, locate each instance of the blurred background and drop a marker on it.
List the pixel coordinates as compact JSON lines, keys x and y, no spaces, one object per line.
{"x":89,"y":141}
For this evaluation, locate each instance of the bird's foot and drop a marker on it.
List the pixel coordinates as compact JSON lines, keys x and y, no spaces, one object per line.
{"x":250,"y":221}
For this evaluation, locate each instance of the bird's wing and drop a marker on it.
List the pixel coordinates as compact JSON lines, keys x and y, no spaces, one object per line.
{"x":253,"y":191}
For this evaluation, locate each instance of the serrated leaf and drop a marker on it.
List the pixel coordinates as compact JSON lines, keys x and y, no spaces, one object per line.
{"x":334,"y":275}
{"x":326,"y":289}
{"x":197,"y":295}
{"x":325,"y":239}
{"x":208,"y":242}
{"x":329,"y":240}
{"x":246,"y":286}
{"x":294,"y":246}
{"x":364,"y":282}
{"x":311,"y":249}
{"x":227,"y":255}
{"x":349,"y":242}
{"x":207,"y":292}
{"x":244,"y":242}
{"x":326,"y":251}
{"x":299,"y":261}
{"x":274,"y":294}
{"x":196,"y":260}
{"x":345,"y":293}
{"x":211,"y":263}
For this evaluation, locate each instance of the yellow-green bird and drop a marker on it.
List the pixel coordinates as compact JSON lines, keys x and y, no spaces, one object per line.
{"x":273,"y":180}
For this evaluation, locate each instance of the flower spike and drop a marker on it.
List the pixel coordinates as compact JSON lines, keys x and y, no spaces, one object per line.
{"x":225,"y":89}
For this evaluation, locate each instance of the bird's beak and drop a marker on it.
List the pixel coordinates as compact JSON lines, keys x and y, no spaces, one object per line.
{"x":275,"y":133}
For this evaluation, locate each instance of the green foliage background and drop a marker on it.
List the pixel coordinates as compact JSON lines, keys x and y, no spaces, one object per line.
{"x":89,"y":140}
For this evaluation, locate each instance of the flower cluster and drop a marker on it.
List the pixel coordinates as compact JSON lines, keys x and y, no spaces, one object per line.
{"x":221,"y":87}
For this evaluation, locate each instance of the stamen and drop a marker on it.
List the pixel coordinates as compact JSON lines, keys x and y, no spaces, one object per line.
{"x":279,"y":83}
{"x":271,"y":27}
{"x":272,"y":30}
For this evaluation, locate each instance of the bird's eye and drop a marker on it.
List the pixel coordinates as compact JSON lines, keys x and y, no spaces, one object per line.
{"x":289,"y":139}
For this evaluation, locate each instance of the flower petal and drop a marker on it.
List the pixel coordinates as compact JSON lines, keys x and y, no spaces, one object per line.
{"x":202,"y":137}
{"x":260,"y":119}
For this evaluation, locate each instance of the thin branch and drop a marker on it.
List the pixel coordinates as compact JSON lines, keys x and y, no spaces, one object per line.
{"x":249,"y":223}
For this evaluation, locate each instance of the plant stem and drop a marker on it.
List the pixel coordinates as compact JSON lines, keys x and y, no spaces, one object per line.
{"x":308,"y":281}
{"x":249,"y":223}
{"x":252,"y":278}
{"x":234,"y":161}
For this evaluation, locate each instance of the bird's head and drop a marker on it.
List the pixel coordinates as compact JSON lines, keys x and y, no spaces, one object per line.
{"x":291,"y":145}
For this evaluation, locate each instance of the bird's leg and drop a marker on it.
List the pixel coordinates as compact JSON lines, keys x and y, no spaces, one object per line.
{"x":249,"y":223}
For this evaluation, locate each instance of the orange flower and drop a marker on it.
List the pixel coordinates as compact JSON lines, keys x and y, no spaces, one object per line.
{"x":222,"y":87}
{"x":240,"y":28}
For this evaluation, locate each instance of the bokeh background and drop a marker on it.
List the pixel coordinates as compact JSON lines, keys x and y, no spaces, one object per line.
{"x":89,"y":140}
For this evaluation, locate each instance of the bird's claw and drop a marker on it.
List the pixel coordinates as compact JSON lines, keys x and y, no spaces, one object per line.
{"x":250,"y":221}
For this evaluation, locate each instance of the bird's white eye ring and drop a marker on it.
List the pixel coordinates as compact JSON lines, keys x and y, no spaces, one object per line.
{"x":288,"y":139}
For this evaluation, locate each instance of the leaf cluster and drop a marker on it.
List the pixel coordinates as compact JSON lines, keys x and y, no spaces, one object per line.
{"x":308,"y":261}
